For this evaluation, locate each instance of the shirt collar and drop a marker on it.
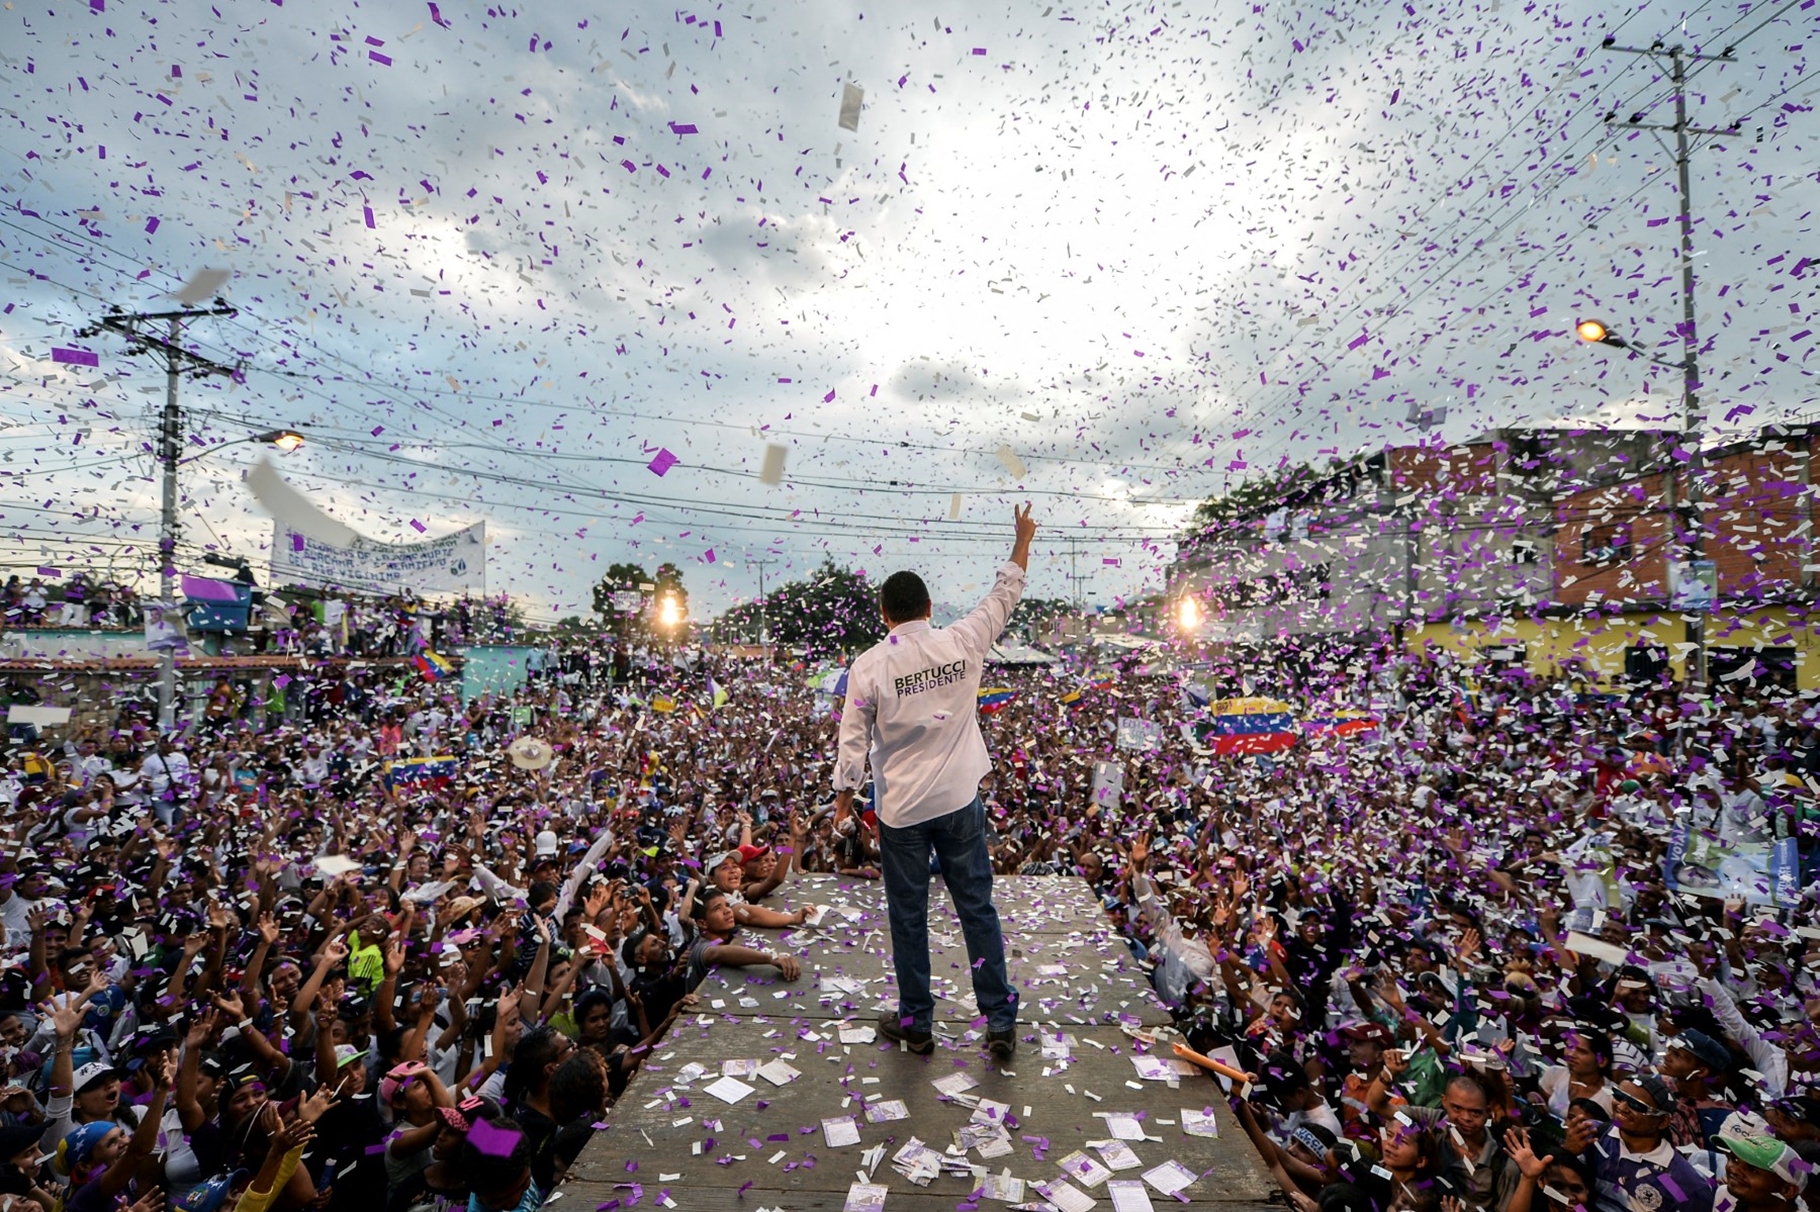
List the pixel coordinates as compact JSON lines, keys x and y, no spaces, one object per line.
{"x":912,"y":627}
{"x":1661,"y":1155}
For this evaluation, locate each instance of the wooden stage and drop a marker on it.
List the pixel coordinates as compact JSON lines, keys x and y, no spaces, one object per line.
{"x":675,"y":1141}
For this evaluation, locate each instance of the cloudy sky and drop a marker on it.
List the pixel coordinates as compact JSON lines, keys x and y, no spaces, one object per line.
{"x":1106,"y":258}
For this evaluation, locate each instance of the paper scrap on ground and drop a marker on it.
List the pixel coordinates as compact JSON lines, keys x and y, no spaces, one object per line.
{"x":1004,"y":1188}
{"x":728,"y":1089}
{"x":1170,"y":1177}
{"x":840,"y":1131}
{"x":1065,"y":1195}
{"x":1084,"y":1169}
{"x":1115,"y":1153}
{"x":1128,"y":1195}
{"x":954,"y":1083}
{"x":778,"y":1072}
{"x":886,"y":1110}
{"x":865,"y":1197}
{"x":1199,"y":1123}
{"x":1124,"y":1125}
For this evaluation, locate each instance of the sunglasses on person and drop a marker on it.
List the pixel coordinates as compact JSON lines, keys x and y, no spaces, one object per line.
{"x":1634,"y":1103}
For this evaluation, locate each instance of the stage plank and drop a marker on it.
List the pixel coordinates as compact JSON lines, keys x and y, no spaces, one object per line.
{"x":768,"y":1151}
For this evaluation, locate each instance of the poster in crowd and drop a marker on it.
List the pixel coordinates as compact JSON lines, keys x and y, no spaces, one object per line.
{"x":1700,"y":864}
{"x":454,"y":563}
{"x":1141,"y":736}
{"x":1108,"y":785}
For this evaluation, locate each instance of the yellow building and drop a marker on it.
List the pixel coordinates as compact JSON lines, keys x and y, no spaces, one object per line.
{"x":1778,"y":643}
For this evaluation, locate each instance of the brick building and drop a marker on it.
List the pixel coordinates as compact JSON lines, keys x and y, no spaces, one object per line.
{"x":1554,"y":548}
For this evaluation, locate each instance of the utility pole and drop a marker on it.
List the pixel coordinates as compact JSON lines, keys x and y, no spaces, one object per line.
{"x":1075,"y":576}
{"x":1688,"y":519}
{"x":177,"y":361}
{"x":764,"y":620}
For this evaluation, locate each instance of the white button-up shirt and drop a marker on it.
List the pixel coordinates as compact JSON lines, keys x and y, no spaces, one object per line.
{"x":912,"y":706}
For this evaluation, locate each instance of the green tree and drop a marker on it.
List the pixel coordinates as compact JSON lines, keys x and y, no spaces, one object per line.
{"x":834,"y":611}
{"x":669,"y":584}
{"x":1035,"y":618}
{"x":619,"y":578}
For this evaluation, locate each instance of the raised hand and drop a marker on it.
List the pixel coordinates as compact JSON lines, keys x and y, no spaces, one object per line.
{"x":293,"y":1135}
{"x":1516,"y":1143}
{"x":268,"y":930}
{"x":65,"y":1019}
{"x":313,"y":1108}
{"x":1026,"y":525}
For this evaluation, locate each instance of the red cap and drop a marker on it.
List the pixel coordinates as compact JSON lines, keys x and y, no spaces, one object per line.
{"x":748,"y":853}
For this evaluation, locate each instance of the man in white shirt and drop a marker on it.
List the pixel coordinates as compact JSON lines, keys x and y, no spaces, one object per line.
{"x":913,"y":709}
{"x":167,"y":778}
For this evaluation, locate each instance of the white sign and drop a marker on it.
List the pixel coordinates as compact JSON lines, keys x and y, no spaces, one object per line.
{"x":455,"y":563}
{"x":1140,"y":735}
{"x":628,"y":601}
{"x":1108,"y":784}
{"x":43,"y":717}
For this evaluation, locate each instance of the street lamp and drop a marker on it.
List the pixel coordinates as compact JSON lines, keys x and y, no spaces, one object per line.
{"x":285,"y":440}
{"x":1597,"y":332}
{"x":1188,"y":614}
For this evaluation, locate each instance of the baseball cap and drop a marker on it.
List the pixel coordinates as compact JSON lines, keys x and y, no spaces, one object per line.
{"x":545,"y":845}
{"x":748,"y":853}
{"x":208,"y":1196}
{"x":1366,"y":1032}
{"x":1802,"y":1108}
{"x":715,"y":861}
{"x":1762,"y":1151}
{"x":1707,"y":1050}
{"x":347,"y":1054}
{"x":93,"y":1074}
{"x":396,"y":1077}
{"x":17,"y":1138}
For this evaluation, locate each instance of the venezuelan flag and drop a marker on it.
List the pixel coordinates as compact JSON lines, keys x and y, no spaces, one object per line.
{"x":1080,"y":692}
{"x":1345,"y":722}
{"x":419,"y":772}
{"x":994,"y":698}
{"x":1249,"y":725}
{"x":433,"y":665}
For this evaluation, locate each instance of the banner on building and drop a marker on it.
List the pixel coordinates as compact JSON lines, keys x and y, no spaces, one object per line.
{"x":1693,"y":585}
{"x":455,"y":563}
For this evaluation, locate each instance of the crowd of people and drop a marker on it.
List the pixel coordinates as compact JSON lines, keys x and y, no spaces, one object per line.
{"x":280,"y":959}
{"x":79,"y":601}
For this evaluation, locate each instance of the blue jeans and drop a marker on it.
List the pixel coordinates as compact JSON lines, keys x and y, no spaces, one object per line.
{"x":959,"y":842}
